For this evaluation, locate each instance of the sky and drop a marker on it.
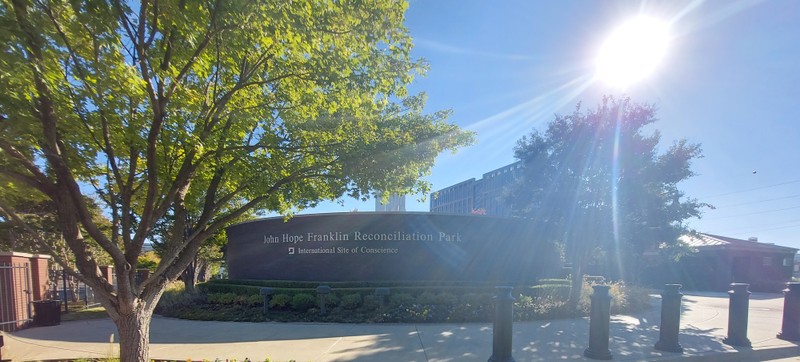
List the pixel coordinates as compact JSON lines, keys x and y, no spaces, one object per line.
{"x":729,"y":80}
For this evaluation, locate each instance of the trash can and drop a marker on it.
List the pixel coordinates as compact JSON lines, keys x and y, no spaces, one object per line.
{"x":47,"y":312}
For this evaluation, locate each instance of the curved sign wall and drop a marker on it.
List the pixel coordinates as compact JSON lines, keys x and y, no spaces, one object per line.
{"x":388,"y":246}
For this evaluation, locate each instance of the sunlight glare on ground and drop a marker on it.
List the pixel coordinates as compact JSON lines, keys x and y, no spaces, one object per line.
{"x":632,"y":51}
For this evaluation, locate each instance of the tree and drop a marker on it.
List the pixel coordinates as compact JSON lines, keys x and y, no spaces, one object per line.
{"x":209,"y":108}
{"x":208,"y":257}
{"x":596,"y":181}
{"x":39,"y":232}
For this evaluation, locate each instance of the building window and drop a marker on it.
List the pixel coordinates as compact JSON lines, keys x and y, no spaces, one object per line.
{"x":787,"y":261}
{"x":767,"y":261}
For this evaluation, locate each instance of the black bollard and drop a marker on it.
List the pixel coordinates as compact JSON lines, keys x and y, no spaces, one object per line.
{"x":737,"y":315}
{"x":503,"y":323}
{"x":322,"y":291}
{"x":265,"y":292}
{"x":790,"y":330}
{"x":670,"y":319}
{"x":599,"y":322}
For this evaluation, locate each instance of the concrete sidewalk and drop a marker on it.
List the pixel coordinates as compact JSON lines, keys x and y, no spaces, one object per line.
{"x":703,"y":321}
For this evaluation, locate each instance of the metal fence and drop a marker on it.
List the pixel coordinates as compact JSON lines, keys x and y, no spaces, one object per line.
{"x":72,"y":292}
{"x":15,"y":296}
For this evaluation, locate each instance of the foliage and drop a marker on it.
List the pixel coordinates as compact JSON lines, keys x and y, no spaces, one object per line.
{"x":84,"y":314}
{"x":280,"y":301}
{"x":228,"y":288}
{"x":356,"y":283}
{"x":148,"y":260}
{"x":427,"y":306}
{"x":208,"y":110}
{"x":40,"y":232}
{"x":597,"y":182}
{"x":625,"y":298}
{"x":303,"y":302}
{"x":351,"y":301}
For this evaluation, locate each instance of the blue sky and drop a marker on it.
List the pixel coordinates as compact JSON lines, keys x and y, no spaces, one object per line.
{"x":730,"y":81}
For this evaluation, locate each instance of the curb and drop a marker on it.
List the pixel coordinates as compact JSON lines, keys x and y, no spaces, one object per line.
{"x":761,"y":354}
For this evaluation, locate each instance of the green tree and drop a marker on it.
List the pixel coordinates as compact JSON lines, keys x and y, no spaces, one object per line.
{"x":39,"y":231}
{"x":598,"y":183}
{"x":208,"y":258}
{"x":207,"y":108}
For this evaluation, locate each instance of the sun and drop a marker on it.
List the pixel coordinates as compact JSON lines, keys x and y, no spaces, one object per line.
{"x":633,"y":51}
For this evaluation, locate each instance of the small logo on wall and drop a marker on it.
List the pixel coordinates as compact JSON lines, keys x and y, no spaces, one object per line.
{"x":291,"y":251}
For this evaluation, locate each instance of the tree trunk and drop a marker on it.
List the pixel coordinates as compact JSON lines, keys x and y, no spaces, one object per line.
{"x":204,"y":273}
{"x":194,"y":273}
{"x":134,"y":336}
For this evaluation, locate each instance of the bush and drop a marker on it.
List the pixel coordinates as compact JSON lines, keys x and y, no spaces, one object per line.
{"x":400,"y":300}
{"x":331,"y":300}
{"x":371,"y":302}
{"x":212,"y":288}
{"x":351,"y":301}
{"x":254,"y":301}
{"x":557,"y":291}
{"x":427,"y":298}
{"x":424,"y":303}
{"x":624,"y":298}
{"x":222,"y":298}
{"x":280,"y":301}
{"x":554,"y":281}
{"x":446,"y":298}
{"x":175,"y":299}
{"x":303,"y":302}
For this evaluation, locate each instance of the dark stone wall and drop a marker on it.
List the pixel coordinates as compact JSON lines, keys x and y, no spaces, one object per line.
{"x":389,"y":246}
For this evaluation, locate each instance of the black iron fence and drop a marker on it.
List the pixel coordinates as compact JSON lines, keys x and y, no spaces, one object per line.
{"x":72,"y":292}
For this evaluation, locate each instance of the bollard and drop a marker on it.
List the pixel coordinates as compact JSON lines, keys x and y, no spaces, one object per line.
{"x":599,"y":321}
{"x":265,"y":292}
{"x":670,"y":319}
{"x":382,"y":293}
{"x":790,"y":330}
{"x":322,"y":290}
{"x":503,"y":323}
{"x":737,"y":315}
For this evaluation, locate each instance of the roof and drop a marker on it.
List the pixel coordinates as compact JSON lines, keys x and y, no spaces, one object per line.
{"x":709,"y":241}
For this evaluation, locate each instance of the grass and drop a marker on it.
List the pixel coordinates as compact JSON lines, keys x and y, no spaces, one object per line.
{"x":84,"y":314}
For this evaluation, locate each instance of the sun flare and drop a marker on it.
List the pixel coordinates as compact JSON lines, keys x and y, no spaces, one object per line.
{"x":633,"y":51}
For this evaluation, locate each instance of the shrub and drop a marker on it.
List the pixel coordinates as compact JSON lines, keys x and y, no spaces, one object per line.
{"x":303,"y":302}
{"x":210,"y":288}
{"x":445,"y":298}
{"x":177,"y":299}
{"x":351,"y":301}
{"x":554,"y":281}
{"x":477,"y":299}
{"x":524,"y":308}
{"x":280,"y":301}
{"x":400,"y":299}
{"x":624,"y":298}
{"x":254,"y":301}
{"x":371,"y":302}
{"x":222,"y":298}
{"x":331,"y":300}
{"x":557,"y":291}
{"x":426,"y":298}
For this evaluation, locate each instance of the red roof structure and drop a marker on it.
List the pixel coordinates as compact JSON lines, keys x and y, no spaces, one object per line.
{"x":709,"y":241}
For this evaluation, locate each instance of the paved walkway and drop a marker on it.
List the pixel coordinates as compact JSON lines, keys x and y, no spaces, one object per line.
{"x":703,"y":326}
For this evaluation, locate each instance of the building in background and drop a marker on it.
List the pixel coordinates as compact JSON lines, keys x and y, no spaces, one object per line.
{"x":396,"y":203}
{"x":483,"y":196}
{"x":717,"y":261}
